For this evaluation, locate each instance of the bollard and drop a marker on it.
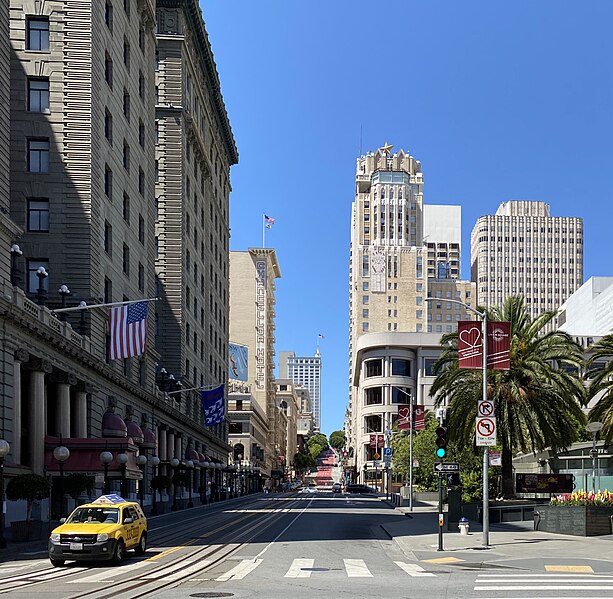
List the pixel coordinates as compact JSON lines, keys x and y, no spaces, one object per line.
{"x":464,"y":525}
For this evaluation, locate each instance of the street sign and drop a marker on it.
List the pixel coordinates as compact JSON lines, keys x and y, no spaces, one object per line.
{"x":387,"y":452}
{"x":486,"y":432}
{"x":495,"y":458}
{"x":485,"y":409}
{"x":447,"y":467}
{"x":375,"y":463}
{"x":376,"y":456}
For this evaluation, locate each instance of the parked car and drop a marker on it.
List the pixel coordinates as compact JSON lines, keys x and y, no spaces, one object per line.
{"x":357,"y":488}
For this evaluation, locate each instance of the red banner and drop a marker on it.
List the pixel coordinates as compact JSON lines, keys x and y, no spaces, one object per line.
{"x":404,"y":417}
{"x":373,"y":441}
{"x":470,"y":345}
{"x":380,"y":441}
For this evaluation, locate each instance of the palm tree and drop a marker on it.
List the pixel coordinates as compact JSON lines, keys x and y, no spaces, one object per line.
{"x":537,"y":402}
{"x":601,"y":381}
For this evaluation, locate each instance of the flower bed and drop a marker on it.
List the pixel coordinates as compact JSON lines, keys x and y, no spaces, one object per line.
{"x":586,"y":498}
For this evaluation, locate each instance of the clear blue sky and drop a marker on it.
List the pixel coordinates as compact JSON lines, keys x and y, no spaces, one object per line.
{"x":499,"y":100}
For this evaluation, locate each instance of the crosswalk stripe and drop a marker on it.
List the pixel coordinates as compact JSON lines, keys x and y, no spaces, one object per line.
{"x":300,"y":568}
{"x":356,"y":568}
{"x":107,"y":575}
{"x":548,"y":576}
{"x":169,"y":570}
{"x":547,"y":587}
{"x":199,"y":565}
{"x":413,"y":569}
{"x":541,"y":597}
{"x":241,"y":570}
{"x":528,"y":579}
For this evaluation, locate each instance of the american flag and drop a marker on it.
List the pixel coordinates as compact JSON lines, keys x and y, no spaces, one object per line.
{"x":128,"y":325}
{"x":270,"y":221}
{"x":213,"y":406}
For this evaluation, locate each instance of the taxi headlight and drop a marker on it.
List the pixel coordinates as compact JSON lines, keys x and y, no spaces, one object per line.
{"x":55,"y":537}
{"x":102,"y":537}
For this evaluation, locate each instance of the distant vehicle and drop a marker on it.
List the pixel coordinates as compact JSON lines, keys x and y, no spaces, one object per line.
{"x":355,"y":488}
{"x":337,"y":488}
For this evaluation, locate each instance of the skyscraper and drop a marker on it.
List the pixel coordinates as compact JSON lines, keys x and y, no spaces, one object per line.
{"x":305,"y":371}
{"x":523,"y":250}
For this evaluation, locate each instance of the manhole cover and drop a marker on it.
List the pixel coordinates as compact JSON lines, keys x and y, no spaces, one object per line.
{"x":213,"y":594}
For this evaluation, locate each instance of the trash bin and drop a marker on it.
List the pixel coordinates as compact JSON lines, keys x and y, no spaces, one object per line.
{"x":464,"y":525}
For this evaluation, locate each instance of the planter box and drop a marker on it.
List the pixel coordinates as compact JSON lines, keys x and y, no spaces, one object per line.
{"x":22,"y":530}
{"x":582,"y":521}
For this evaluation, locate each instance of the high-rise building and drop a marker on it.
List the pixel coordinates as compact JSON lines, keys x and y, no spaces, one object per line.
{"x":305,"y":371}
{"x":523,"y":250}
{"x":193,"y":155}
{"x":252,"y":324}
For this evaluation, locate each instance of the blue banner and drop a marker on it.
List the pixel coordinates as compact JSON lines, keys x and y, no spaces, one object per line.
{"x":213,"y":405}
{"x":238,"y":359}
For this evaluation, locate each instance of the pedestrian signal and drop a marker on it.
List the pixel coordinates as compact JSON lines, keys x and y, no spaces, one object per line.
{"x":441,"y":442}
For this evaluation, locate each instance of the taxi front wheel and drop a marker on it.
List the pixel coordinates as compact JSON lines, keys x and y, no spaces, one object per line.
{"x":57,"y":563}
{"x":120,"y":552}
{"x":141,"y":548}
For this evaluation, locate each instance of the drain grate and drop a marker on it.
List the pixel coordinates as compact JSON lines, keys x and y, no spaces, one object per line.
{"x":212,"y":594}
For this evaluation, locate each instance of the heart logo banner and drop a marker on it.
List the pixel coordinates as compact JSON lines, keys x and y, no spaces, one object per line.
{"x":404,"y":417}
{"x":470,"y":345}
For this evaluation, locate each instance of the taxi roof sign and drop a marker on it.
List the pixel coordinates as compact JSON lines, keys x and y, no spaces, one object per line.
{"x":112,"y":499}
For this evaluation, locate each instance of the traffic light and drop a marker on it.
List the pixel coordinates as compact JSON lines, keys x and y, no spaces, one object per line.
{"x":441,"y":442}
{"x":453,"y":479}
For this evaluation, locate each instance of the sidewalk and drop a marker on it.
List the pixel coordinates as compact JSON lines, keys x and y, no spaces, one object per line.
{"x":513,"y":543}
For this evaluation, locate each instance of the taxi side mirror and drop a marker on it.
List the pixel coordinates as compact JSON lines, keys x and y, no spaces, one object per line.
{"x":62,"y":520}
{"x":128,"y":520}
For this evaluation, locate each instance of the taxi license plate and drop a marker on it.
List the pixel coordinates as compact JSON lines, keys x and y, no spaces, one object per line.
{"x":76,"y":546}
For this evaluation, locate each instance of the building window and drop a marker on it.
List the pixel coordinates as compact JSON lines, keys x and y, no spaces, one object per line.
{"x":38,"y":95}
{"x":141,"y":38}
{"x":126,"y":7}
{"x":141,"y":228}
{"x":108,"y":238}
{"x":126,"y":207}
{"x":108,"y":290}
{"x":108,"y":70}
{"x":401,"y":395}
{"x":141,"y":277}
{"x":38,"y":34}
{"x":108,"y":181}
{"x":38,"y":155}
{"x":126,"y":259}
{"x":141,"y":85}
{"x":126,"y":155}
{"x":429,"y":366}
{"x":33,"y":280}
{"x":126,"y":104}
{"x":108,"y":126}
{"x":108,"y":15}
{"x":141,"y":134}
{"x":373,"y":396}
{"x":374,"y":367}
{"x":401,"y":367}
{"x":141,"y":181}
{"x":365,"y":327}
{"x":38,"y":215}
{"x":126,"y":53}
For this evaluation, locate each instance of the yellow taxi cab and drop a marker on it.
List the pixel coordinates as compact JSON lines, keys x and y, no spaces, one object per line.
{"x":102,"y":530}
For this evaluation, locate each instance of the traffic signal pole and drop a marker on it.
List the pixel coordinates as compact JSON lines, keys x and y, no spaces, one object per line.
{"x":441,"y":517}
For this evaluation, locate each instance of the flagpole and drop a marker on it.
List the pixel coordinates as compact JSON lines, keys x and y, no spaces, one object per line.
{"x":203,"y":388}
{"x":107,"y":305}
{"x":263,"y":231}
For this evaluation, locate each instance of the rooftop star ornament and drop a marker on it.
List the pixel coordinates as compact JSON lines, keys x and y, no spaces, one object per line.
{"x":387,"y":148}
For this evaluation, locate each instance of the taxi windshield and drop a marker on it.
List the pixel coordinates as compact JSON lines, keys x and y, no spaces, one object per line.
{"x":97,"y":515}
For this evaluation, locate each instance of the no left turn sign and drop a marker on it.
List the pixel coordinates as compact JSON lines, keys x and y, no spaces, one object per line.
{"x":486,"y":432}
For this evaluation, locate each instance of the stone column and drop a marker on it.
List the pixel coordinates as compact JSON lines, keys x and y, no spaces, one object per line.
{"x":62,"y":412}
{"x":170,"y":444}
{"x":178,"y":447}
{"x":161,"y":438}
{"x":21,"y":356}
{"x":37,"y":415}
{"x":81,"y":413}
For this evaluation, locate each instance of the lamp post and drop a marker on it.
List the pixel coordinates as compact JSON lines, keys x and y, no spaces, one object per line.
{"x":122,"y":458}
{"x":155,"y":462}
{"x":190,"y":467}
{"x":64,"y":293}
{"x":205,"y":466}
{"x":594,"y":427}
{"x":486,"y":497}
{"x":174,"y":463}
{"x":106,"y":457}
{"x":61,"y":454}
{"x":41,"y":292}
{"x":82,"y":305}
{"x":16,"y":253}
{"x":4,"y":449}
{"x":141,"y":460}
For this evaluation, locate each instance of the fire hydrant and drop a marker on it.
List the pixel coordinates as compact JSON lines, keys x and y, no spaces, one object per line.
{"x":464,"y":525}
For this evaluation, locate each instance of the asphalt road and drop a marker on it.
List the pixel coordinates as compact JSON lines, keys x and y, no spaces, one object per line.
{"x":280,"y":546}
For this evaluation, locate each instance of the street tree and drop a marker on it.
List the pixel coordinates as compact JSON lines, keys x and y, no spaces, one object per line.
{"x":337,"y":439}
{"x":599,"y":373}
{"x":537,"y":402}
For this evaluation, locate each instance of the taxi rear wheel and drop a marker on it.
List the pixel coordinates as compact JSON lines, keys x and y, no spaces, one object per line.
{"x":56,"y":563}
{"x":141,"y":548}
{"x":120,"y":552}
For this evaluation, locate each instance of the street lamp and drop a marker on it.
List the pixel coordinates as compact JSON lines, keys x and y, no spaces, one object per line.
{"x":486,"y":496}
{"x":141,"y":460}
{"x":122,"y":458}
{"x":174,"y":463}
{"x":205,"y":466}
{"x":106,"y":457}
{"x":4,"y":449}
{"x":16,"y":253}
{"x":82,"y":305}
{"x":155,"y":462}
{"x":61,"y":454}
{"x":41,"y":292}
{"x":190,"y":466}
{"x":64,"y":293}
{"x":594,"y":427}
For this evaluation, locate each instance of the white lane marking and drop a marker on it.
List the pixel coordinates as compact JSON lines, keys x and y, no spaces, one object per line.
{"x":8,"y":569}
{"x":110,"y":575}
{"x":551,"y":575}
{"x":200,"y":565}
{"x":241,"y":570}
{"x":56,"y":574}
{"x":356,"y":568}
{"x":541,"y":597}
{"x":298,"y":568}
{"x":528,"y":579}
{"x":547,"y":587}
{"x":413,"y":569}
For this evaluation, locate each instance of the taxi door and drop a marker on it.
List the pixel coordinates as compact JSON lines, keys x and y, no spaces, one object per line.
{"x":132,"y":529}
